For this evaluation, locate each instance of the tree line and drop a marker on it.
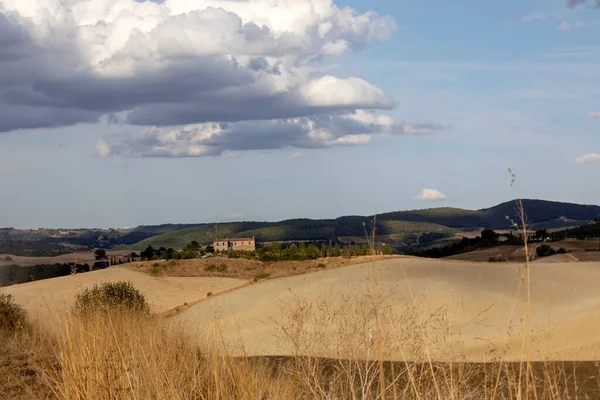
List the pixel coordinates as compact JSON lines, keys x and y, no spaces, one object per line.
{"x":15,"y":274}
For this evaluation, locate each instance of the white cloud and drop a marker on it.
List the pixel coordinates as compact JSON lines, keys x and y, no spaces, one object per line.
{"x":594,"y":114}
{"x":329,"y":91}
{"x":351,"y":140}
{"x":103,"y":149}
{"x":179,"y":62}
{"x":295,"y":155}
{"x":564,"y":27}
{"x":430,"y":194}
{"x":209,"y":139}
{"x":588,"y":158}
{"x":567,"y":26}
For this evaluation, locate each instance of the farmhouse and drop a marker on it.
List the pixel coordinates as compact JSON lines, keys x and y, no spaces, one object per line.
{"x":246,"y":244}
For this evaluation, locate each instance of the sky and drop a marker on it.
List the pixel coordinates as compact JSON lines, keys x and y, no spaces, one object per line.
{"x":119,"y":113}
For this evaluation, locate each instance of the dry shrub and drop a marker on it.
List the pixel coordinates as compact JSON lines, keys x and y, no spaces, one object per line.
{"x":12,"y":316}
{"x":111,"y":296}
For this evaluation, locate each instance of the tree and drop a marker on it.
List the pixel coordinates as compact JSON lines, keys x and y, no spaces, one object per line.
{"x":170,"y":253}
{"x":274,"y":247}
{"x":323,"y":250}
{"x":544,"y":251}
{"x":312,"y":252}
{"x":302,"y":249}
{"x":541,"y":234}
{"x":489,"y":236}
{"x":148,"y":253}
{"x":100,"y":254}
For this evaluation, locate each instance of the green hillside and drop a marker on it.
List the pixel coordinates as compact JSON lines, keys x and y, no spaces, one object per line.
{"x":402,"y":228}
{"x":450,"y":217}
{"x":301,"y":229}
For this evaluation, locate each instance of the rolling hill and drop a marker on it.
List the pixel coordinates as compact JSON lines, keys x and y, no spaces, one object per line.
{"x":399,"y":228}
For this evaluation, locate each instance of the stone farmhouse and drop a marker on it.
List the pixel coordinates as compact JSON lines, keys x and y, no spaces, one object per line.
{"x":245,"y":244}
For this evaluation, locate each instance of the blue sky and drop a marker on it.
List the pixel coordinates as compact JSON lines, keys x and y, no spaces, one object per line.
{"x":476,"y":87}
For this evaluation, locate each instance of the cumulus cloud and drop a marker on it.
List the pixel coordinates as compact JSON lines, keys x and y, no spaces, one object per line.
{"x":214,"y":138}
{"x":103,"y":149}
{"x":594,"y":114}
{"x":588,"y":158}
{"x":179,"y":62}
{"x":430,"y":194}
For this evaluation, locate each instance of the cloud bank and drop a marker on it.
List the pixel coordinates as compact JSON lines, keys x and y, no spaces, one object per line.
{"x":199,"y":77}
{"x":430,"y":194}
{"x":216,"y":138}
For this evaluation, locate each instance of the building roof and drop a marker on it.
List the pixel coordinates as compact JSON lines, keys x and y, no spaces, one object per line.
{"x":234,"y":240}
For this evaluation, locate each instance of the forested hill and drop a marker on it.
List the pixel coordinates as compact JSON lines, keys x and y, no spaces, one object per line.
{"x":399,"y":228}
{"x":540,"y":211}
{"x":537,"y":211}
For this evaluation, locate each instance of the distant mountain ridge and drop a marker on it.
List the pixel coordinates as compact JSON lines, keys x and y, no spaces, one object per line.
{"x":536,"y":211}
{"x":401,"y":229}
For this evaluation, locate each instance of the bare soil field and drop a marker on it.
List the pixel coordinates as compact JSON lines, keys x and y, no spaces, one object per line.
{"x":436,"y":309}
{"x":509,"y":253}
{"x":53,"y":297}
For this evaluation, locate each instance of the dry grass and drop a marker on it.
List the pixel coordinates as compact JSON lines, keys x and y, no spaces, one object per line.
{"x":132,"y":355}
{"x":241,"y":268}
{"x":124,"y":355}
{"x":24,"y":359}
